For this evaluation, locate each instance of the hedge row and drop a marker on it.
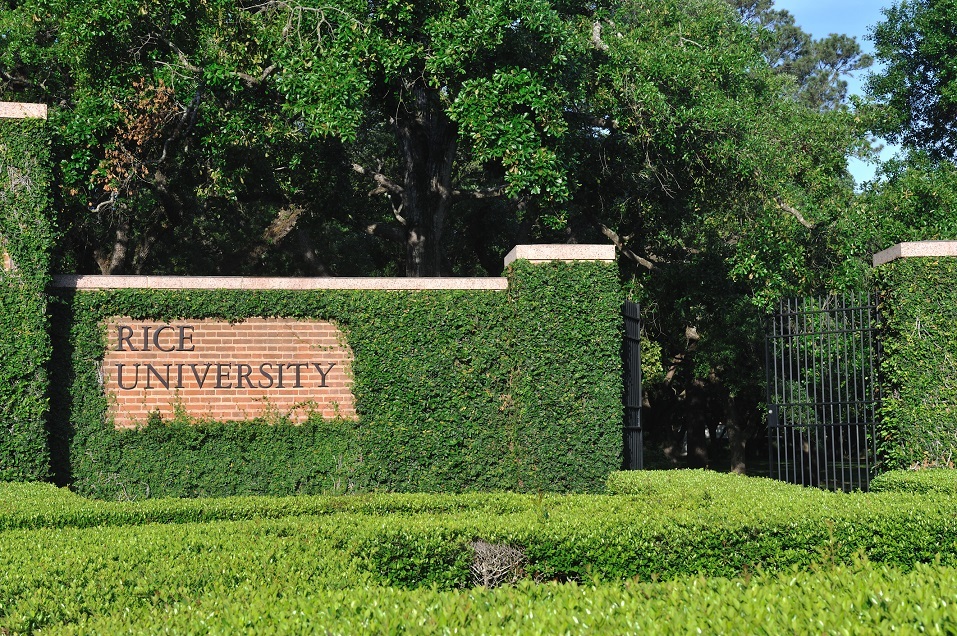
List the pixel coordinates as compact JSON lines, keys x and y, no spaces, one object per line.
{"x":455,"y":390}
{"x":38,"y":506}
{"x":937,"y":481}
{"x":860,"y":599}
{"x":663,"y":532}
{"x":26,"y":238}
{"x":919,"y":363}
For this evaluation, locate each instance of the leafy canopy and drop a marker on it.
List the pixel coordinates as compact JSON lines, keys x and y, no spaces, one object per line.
{"x":917,"y":44}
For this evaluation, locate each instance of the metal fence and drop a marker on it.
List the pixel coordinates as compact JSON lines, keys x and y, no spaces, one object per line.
{"x":631,"y":359}
{"x":823,"y":394}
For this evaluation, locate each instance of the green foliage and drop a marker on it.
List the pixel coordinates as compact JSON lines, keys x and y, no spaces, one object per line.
{"x":172,"y":150}
{"x":499,"y":70}
{"x":245,"y":138}
{"x":566,"y":385}
{"x":817,"y":66}
{"x":387,"y":562}
{"x":933,"y":481}
{"x":663,"y":526}
{"x":717,"y":183}
{"x":26,"y":239}
{"x":862,"y":598}
{"x":914,"y":198}
{"x":455,"y":391}
{"x":917,"y":85}
{"x":38,"y":505}
{"x":919,"y":363}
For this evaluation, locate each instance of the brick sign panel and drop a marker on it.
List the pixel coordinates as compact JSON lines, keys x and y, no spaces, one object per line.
{"x":226,"y":371}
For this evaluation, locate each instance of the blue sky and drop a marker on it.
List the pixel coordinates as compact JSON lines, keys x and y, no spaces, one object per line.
{"x":852,"y":17}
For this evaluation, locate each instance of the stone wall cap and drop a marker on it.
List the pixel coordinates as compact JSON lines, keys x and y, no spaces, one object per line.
{"x":91,"y":283}
{"x":560,"y":252}
{"x":19,"y":110}
{"x":913,"y":249}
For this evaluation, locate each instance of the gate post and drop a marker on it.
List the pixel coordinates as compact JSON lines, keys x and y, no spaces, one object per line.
{"x":566,"y":360}
{"x":917,"y":283}
{"x":633,"y":434}
{"x":26,"y":237}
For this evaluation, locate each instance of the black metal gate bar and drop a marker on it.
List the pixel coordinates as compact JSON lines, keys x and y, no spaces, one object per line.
{"x":822,"y":391}
{"x":631,"y":356}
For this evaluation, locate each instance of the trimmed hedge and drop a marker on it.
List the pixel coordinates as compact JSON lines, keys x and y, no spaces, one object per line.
{"x":455,"y":391}
{"x":663,"y":532}
{"x":36,"y":505}
{"x":565,"y":383}
{"x":918,"y":423}
{"x":807,"y":560}
{"x":26,"y":237}
{"x":860,"y":599}
{"x":936,"y":481}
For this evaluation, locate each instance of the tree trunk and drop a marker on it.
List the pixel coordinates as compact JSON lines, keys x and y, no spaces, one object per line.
{"x":696,"y":405}
{"x":114,"y":261}
{"x":427,"y":139}
{"x":738,"y":434}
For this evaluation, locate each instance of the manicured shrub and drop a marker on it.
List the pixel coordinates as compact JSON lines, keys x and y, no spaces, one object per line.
{"x":860,"y":598}
{"x":26,"y":237}
{"x":933,"y":481}
{"x":918,"y":306}
{"x":697,"y":526}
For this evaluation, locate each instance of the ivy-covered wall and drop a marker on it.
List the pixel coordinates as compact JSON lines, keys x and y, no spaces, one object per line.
{"x":26,"y":237}
{"x":919,"y":362}
{"x":455,"y":391}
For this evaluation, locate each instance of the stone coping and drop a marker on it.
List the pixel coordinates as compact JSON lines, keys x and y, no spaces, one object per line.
{"x":90,"y":282}
{"x":916,"y":249}
{"x":18,"y":110}
{"x":560,"y":252}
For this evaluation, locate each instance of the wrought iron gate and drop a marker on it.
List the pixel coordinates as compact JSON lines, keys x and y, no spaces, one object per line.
{"x":822,"y":358}
{"x":631,"y":358}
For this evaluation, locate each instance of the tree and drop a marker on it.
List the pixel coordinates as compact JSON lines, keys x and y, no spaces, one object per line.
{"x":716,"y":185}
{"x":917,"y":43}
{"x":817,"y":66}
{"x":173,"y":151}
{"x":474,"y":95}
{"x":914,"y":196}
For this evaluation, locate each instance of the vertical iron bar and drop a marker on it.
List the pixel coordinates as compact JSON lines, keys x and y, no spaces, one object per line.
{"x":768,"y":343}
{"x":794,"y":415}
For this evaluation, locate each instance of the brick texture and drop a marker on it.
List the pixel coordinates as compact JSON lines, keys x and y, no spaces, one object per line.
{"x":212,"y":369}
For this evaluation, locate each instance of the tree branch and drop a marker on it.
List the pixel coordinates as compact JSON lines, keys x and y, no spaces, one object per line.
{"x":276,"y":231}
{"x":486,"y":193}
{"x":795,"y":213}
{"x":387,"y":231}
{"x":621,"y":244}
{"x":251,"y":81}
{"x":380,"y":179}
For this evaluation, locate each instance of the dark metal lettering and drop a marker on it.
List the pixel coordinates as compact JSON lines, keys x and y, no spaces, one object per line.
{"x":156,"y":337}
{"x":200,"y":381}
{"x":220,"y":376}
{"x":298,"y":366}
{"x":183,"y":339}
{"x":240,"y":374}
{"x":124,"y":333}
{"x":323,"y":373}
{"x":119,"y":376}
{"x":150,"y":369}
{"x":266,"y":374}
